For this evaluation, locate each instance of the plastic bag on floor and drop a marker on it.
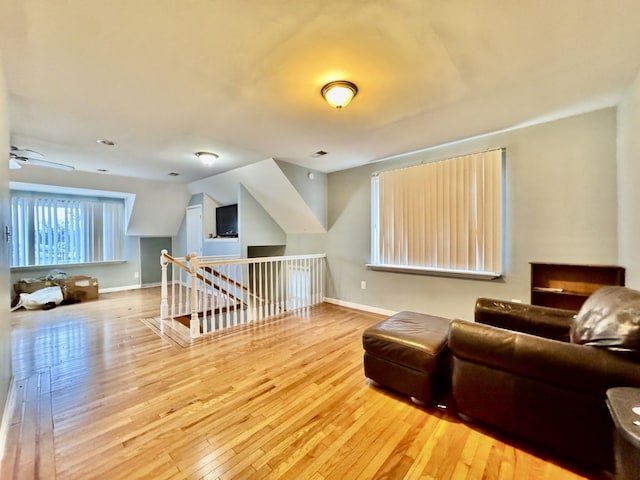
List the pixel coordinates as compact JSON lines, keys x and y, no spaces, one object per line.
{"x":40,"y":298}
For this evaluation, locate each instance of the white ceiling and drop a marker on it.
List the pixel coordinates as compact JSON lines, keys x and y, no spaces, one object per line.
{"x":167,"y":78}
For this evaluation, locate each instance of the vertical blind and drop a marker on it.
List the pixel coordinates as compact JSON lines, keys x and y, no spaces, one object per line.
{"x":441,"y":215}
{"x":51,"y":230}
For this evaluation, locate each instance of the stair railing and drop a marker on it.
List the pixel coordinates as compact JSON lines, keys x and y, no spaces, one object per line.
{"x":220,"y":292}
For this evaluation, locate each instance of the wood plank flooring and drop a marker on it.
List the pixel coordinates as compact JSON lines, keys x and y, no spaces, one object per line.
{"x":99,"y":394}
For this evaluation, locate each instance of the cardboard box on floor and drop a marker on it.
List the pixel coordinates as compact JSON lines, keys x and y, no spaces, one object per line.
{"x":78,"y":288}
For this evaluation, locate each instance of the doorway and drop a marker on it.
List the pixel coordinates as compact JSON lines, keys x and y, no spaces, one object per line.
{"x":194,"y":230}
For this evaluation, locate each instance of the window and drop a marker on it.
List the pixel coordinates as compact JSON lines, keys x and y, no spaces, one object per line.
{"x":443,"y":216}
{"x":49,"y":229}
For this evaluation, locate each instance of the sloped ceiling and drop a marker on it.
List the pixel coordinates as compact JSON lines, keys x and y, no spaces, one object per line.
{"x":167,"y":78}
{"x":266,"y":182}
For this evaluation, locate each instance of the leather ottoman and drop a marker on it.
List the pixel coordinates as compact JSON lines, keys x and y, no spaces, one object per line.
{"x":408,"y":353}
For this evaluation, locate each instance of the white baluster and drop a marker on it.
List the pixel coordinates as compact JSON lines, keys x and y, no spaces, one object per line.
{"x":205,"y":300}
{"x":276,"y":293}
{"x":254,"y":270}
{"x":314,"y":283}
{"x":269,"y":285}
{"x":164,"y":305}
{"x":194,"y":324}
{"x":322,"y":267}
{"x":273,"y":285}
{"x":181,"y":293}
{"x":227,"y":297}
{"x":260,"y":283}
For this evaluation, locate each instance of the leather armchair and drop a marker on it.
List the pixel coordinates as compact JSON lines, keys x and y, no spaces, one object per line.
{"x":514,"y":370}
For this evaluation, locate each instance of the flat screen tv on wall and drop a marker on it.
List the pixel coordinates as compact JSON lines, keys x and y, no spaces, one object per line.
{"x":227,"y":221}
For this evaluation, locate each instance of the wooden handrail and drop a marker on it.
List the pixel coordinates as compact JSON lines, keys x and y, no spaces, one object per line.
{"x":176,"y":262}
{"x":217,"y":274}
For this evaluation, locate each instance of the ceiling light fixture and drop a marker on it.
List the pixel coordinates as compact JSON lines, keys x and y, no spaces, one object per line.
{"x":108,"y":143}
{"x":339,"y":94}
{"x":207,"y":158}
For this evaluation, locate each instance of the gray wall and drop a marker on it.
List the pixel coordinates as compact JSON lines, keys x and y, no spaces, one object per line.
{"x":561,"y":207}
{"x":628,"y":180}
{"x":109,"y":275}
{"x":5,"y":320}
{"x":304,"y":244}
{"x":150,"y":250}
{"x":255,"y":225}
{"x":312,"y":190}
{"x":255,"y":228}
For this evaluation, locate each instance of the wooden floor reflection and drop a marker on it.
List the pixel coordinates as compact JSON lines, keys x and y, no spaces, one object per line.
{"x":99,"y":394}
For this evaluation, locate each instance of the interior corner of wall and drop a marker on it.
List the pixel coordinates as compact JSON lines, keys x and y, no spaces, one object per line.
{"x":129,"y":203}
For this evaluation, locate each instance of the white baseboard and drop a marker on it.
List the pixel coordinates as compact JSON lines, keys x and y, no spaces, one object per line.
{"x":119,"y":289}
{"x":358,"y":306}
{"x":6,"y":414}
{"x":130,"y":287}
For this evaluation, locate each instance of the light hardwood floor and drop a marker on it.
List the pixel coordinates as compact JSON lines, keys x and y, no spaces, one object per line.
{"x":99,"y":394}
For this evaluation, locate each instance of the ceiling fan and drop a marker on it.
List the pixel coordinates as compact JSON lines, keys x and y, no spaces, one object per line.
{"x":24,"y":156}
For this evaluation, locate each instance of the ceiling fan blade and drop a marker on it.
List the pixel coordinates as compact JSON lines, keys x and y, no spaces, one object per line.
{"x":25,"y":152}
{"x":47,"y":163}
{"x":13,"y":164}
{"x":19,"y":156}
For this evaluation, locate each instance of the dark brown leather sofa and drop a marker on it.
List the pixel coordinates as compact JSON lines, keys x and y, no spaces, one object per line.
{"x":516,"y":370}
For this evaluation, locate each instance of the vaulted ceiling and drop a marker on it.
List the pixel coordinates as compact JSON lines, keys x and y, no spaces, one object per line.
{"x":165,"y":78}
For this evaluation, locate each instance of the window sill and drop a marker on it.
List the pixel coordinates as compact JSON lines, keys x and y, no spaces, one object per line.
{"x":436,"y":272}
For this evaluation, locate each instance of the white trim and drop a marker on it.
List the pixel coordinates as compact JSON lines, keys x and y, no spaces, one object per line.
{"x":119,"y":289}
{"x":6,"y":417}
{"x":65,"y":265}
{"x":436,"y":272}
{"x":222,"y":239}
{"x":124,"y":288}
{"x":359,"y":306}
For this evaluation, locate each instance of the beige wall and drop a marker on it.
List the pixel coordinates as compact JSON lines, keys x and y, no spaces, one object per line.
{"x":5,"y":321}
{"x":628,"y":180}
{"x":561,"y":207}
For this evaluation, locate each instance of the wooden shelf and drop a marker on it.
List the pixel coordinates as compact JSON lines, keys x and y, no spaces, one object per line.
{"x":568,"y":286}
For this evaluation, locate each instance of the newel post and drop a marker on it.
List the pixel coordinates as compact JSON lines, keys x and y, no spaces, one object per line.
{"x":194,"y":324}
{"x":164,"y":304}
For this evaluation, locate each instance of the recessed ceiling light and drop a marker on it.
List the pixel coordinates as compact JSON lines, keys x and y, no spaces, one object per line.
{"x":108,"y":143}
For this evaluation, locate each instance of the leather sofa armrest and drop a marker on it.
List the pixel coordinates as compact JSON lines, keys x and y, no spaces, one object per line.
{"x":546,"y":322}
{"x":579,"y":367}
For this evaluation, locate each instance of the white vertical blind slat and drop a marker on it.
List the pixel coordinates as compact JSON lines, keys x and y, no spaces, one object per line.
{"x":445,"y":214}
